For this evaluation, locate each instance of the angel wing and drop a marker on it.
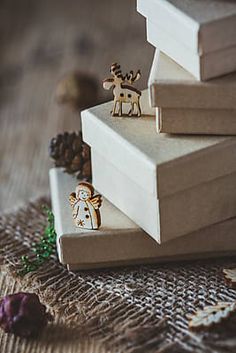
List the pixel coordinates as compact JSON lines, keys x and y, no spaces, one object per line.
{"x":96,"y":201}
{"x":72,"y":199}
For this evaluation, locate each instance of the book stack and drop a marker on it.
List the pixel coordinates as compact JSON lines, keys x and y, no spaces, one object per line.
{"x":166,"y":196}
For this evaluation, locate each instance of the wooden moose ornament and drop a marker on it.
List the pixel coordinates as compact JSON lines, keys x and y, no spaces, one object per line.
{"x":86,"y":206}
{"x":123,"y":90}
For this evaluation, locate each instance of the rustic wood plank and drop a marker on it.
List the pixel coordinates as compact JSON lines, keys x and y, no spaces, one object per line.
{"x":53,"y":39}
{"x":40,"y":41}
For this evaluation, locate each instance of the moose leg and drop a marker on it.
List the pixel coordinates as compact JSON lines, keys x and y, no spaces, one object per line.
{"x":113,"y":113}
{"x":120,"y":109}
{"x":139,"y":108}
{"x":131,"y":111}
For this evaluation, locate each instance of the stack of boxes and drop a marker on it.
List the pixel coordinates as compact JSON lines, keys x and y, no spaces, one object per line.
{"x":187,"y":106}
{"x":199,"y":35}
{"x":193,"y":80}
{"x":166,"y":196}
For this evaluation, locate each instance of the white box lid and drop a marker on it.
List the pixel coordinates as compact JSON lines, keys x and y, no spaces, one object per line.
{"x":202,"y":25}
{"x":159,"y":163}
{"x":173,"y":87}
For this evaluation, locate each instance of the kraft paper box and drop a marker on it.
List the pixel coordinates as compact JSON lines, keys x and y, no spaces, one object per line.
{"x":158,"y":180}
{"x":173,"y":87}
{"x":120,"y":241}
{"x":199,"y":35}
{"x":196,"y":121}
{"x":188,"y":106}
{"x":203,"y":26}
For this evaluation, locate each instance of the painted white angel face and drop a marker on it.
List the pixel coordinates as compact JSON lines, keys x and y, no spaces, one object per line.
{"x":84,"y":195}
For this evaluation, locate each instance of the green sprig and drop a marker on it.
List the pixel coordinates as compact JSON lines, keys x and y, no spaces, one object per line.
{"x":42,"y":249}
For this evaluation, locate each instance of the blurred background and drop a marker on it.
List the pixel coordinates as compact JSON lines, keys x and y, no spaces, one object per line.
{"x":41,"y":42}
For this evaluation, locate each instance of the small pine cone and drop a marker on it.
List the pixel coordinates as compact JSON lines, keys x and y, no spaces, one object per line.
{"x":68,"y":155}
{"x":76,"y":164}
{"x":76,"y":145}
{"x":86,"y":152}
{"x":70,"y":152}
{"x":23,"y":314}
{"x":86,"y":172}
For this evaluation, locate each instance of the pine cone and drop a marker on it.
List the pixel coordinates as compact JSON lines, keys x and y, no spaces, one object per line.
{"x":70,"y":152}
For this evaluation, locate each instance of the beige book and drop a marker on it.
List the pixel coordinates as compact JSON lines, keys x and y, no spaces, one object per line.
{"x":169,"y":185}
{"x":119,"y":241}
{"x":196,"y":121}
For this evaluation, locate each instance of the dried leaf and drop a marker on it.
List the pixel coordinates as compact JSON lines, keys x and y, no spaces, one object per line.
{"x":230,"y":276}
{"x":211,"y":315}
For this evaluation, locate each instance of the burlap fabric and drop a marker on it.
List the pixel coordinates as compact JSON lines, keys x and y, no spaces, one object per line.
{"x":139,"y":309}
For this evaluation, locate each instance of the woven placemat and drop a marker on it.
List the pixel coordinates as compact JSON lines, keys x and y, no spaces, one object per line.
{"x":138,"y":309}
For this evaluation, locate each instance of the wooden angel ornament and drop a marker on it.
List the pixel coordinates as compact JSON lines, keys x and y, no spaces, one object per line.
{"x":230,"y":276}
{"x":211,"y":315}
{"x":123,"y":90}
{"x":86,"y":213}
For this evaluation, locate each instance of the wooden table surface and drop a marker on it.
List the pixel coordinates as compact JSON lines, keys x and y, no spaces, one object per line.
{"x":40,"y":41}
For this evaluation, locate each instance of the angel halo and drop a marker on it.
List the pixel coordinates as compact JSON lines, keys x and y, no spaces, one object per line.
{"x":86,"y":213}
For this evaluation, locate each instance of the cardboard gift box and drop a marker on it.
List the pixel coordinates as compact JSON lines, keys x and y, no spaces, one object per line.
{"x":196,"y":121}
{"x":169,"y":186}
{"x":199,"y":35}
{"x":189,"y":106}
{"x":119,"y":241}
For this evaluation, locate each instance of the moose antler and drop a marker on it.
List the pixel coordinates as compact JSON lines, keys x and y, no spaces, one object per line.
{"x":129,"y":77}
{"x":115,"y":70}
